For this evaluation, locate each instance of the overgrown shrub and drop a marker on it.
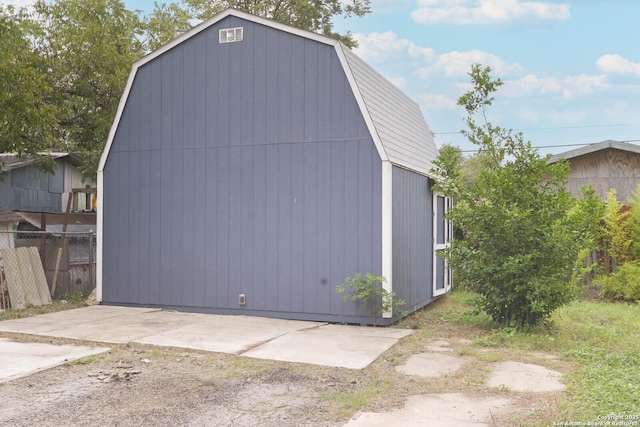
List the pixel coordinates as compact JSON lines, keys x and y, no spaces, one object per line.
{"x":522,"y":229}
{"x":368,"y":290}
{"x":623,"y":285}
{"x":617,"y":241}
{"x":634,"y":217}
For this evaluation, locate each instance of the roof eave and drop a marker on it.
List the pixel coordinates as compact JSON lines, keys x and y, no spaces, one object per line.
{"x":592,"y":148}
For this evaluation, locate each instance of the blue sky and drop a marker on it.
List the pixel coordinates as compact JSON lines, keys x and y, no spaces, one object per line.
{"x":571,"y":68}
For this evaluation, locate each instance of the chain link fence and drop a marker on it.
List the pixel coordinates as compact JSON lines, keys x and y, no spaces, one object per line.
{"x":68,"y":261}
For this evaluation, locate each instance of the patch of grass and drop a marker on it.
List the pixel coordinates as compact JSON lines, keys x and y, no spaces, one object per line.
{"x":242,"y":367}
{"x":489,"y":356}
{"x":456,"y":307}
{"x":597,"y":343}
{"x":159,"y":353}
{"x":602,"y":340}
{"x":347,"y":403}
{"x":74,"y":297}
{"x":84,"y":360}
{"x":14,"y":313}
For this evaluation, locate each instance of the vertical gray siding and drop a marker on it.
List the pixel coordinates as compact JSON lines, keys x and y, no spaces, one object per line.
{"x":412,"y":238}
{"x":28,"y":189}
{"x":242,"y":168}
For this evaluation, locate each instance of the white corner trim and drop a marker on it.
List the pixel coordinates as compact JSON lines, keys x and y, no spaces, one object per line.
{"x":387,"y":229}
{"x":99,"y":226}
{"x":377,"y":141}
{"x":116,"y":120}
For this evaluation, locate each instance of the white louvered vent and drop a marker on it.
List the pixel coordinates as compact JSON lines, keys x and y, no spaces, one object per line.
{"x":229,"y":35}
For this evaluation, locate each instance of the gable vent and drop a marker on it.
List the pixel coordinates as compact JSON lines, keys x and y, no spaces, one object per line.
{"x":229,"y":35}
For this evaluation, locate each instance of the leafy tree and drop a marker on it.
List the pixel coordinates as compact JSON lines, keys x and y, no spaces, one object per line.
{"x":27,"y":121}
{"x":88,"y":47}
{"x":522,"y":230}
{"x":165,"y":23}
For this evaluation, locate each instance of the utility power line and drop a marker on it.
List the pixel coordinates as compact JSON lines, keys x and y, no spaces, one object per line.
{"x":558,"y":145}
{"x":551,"y":128}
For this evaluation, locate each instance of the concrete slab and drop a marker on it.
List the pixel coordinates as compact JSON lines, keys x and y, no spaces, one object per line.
{"x":18,"y":359}
{"x":264,"y":338}
{"x":431,"y":365}
{"x":128,"y":327}
{"x":63,"y":323}
{"x":226,"y":334}
{"x":518,"y":376}
{"x":451,"y":410}
{"x":331,"y":345}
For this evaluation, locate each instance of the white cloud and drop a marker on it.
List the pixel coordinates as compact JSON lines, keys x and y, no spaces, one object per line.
{"x":459,"y":64}
{"x":438,"y":101}
{"x":616,"y":64}
{"x":389,"y":6}
{"x":19,"y":3}
{"x":487,"y":12}
{"x":387,"y":47}
{"x":566,"y":87}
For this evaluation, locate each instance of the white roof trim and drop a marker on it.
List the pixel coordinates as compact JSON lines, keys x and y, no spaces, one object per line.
{"x":116,"y":119}
{"x":243,"y":15}
{"x":592,"y":148}
{"x":187,"y":35}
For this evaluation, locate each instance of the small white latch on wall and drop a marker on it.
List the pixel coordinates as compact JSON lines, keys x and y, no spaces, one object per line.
{"x":242,"y":299}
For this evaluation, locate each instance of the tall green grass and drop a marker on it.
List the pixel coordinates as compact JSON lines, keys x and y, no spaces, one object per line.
{"x":604,"y":339}
{"x":601,"y":339}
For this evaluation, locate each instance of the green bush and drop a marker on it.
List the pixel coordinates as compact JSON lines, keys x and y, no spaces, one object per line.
{"x":521,"y":229}
{"x":623,"y":285}
{"x":368,"y":291}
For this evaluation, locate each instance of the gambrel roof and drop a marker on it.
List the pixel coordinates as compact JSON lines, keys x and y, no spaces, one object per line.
{"x":395,"y":121}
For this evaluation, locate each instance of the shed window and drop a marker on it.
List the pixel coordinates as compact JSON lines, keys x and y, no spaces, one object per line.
{"x":229,"y":35}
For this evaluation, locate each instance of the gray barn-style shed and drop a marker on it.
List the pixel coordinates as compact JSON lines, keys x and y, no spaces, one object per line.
{"x":252,"y":166}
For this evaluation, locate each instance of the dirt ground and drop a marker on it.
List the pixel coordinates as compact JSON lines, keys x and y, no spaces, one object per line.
{"x":137,"y":385}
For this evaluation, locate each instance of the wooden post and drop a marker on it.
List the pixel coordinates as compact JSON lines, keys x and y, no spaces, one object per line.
{"x":59,"y":257}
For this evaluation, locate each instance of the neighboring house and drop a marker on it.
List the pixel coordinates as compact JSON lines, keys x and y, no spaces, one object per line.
{"x":36,"y":200}
{"x":252,"y":167}
{"x":25,"y":188}
{"x":605,"y":165}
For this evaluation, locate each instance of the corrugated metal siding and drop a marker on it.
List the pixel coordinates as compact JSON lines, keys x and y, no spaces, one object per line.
{"x":398,"y":120}
{"x":241,"y":168}
{"x":412,"y":238}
